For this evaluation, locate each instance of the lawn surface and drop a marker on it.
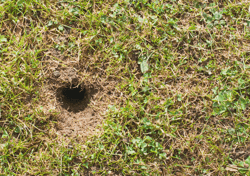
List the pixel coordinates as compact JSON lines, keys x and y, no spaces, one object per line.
{"x":165,"y":87}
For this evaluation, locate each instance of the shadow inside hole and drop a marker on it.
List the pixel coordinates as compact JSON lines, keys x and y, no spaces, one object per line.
{"x":74,"y":99}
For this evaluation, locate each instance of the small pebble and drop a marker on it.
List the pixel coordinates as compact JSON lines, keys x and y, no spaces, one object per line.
{"x":56,"y":74}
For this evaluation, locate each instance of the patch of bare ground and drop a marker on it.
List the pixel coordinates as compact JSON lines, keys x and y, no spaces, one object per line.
{"x":78,"y":97}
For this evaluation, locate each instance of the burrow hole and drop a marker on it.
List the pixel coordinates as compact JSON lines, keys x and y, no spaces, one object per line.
{"x":74,"y":98}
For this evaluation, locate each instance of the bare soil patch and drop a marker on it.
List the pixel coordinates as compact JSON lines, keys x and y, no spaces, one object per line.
{"x":76,"y":117}
{"x":73,"y":99}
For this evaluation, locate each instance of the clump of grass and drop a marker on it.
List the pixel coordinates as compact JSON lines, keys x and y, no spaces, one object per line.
{"x":179,"y":101}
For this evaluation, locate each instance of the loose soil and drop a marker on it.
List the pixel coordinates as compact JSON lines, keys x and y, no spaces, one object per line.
{"x":76,"y":117}
{"x":73,"y":98}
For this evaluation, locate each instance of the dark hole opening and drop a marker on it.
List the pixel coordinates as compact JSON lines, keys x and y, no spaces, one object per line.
{"x":73,"y":98}
{"x":73,"y":95}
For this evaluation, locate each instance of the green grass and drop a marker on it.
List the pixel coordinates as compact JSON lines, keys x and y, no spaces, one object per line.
{"x":178,"y":72}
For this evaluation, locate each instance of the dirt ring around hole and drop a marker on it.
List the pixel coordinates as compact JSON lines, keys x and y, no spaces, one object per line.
{"x":73,"y":99}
